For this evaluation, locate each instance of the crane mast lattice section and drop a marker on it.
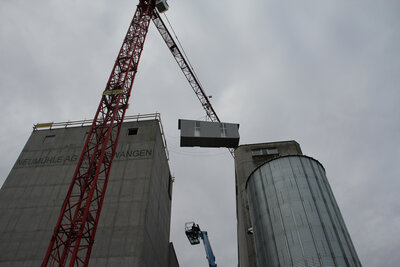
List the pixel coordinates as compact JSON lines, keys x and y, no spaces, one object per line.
{"x":74,"y":233}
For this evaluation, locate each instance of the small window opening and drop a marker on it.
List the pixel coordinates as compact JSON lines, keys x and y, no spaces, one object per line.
{"x":272,"y":151}
{"x":223,"y":129}
{"x":264,"y":151}
{"x":197,"y":129}
{"x":132,"y":131}
{"x":49,"y":139}
{"x":257,"y":152}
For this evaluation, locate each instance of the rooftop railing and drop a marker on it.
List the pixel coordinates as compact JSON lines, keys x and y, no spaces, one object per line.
{"x":83,"y":123}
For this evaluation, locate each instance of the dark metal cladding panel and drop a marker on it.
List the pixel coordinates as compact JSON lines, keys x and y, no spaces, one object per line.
{"x":208,"y":134}
{"x":295,"y":216}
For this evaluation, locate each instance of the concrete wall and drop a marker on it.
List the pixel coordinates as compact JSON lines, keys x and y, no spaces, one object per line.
{"x":247,"y":159}
{"x":317,"y":237}
{"x":134,"y":225}
{"x":172,"y":260}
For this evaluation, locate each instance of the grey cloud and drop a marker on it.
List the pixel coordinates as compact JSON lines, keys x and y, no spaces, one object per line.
{"x":325,"y":74}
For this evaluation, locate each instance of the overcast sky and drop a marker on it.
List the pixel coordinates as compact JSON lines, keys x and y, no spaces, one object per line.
{"x":323,"y":73}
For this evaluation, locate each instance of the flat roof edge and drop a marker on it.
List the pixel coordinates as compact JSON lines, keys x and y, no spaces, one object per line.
{"x":265,"y":143}
{"x":81,"y":123}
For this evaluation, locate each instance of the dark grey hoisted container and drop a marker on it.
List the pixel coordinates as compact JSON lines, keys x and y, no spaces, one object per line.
{"x":208,"y":134}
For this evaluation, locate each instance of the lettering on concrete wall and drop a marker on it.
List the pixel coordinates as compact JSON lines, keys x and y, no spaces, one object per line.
{"x":53,"y":160}
{"x":134,"y":154}
{"x":56,"y":160}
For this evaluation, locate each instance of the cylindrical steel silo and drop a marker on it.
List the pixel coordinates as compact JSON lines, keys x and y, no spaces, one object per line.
{"x":295,"y":218}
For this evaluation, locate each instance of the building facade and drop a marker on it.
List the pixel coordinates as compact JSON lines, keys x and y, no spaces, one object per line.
{"x":134,"y":225}
{"x":287,"y":214}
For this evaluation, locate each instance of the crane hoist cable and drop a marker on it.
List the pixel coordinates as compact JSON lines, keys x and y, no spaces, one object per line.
{"x":183,"y":50}
{"x":187,"y":69}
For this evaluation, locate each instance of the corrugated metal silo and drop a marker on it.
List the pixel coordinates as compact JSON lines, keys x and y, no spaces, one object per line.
{"x":295,"y":218}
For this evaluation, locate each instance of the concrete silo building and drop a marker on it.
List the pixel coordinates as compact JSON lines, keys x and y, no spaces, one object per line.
{"x":287,"y":214}
{"x":134,"y":225}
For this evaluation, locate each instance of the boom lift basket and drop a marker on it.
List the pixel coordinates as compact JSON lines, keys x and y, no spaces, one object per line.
{"x":192,"y":232}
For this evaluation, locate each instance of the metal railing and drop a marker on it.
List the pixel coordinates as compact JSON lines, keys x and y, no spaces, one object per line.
{"x":83,"y":123}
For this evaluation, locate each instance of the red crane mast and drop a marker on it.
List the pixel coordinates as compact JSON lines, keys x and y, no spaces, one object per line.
{"x":73,"y":236}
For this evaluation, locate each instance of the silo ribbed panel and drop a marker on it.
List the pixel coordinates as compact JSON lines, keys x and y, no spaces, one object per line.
{"x":295,"y":217}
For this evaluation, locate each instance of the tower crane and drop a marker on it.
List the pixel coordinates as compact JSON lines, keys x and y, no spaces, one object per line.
{"x":194,"y":234}
{"x":74,"y":234}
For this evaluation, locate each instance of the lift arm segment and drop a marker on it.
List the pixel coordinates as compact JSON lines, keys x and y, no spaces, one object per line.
{"x":193,"y":234}
{"x":207,"y":247}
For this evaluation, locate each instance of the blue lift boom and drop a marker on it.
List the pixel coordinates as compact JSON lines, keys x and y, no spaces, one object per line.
{"x":194,"y":234}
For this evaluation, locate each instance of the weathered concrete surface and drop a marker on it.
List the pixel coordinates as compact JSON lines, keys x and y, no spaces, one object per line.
{"x":135,"y":222}
{"x":245,"y":163}
{"x":314,"y":233}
